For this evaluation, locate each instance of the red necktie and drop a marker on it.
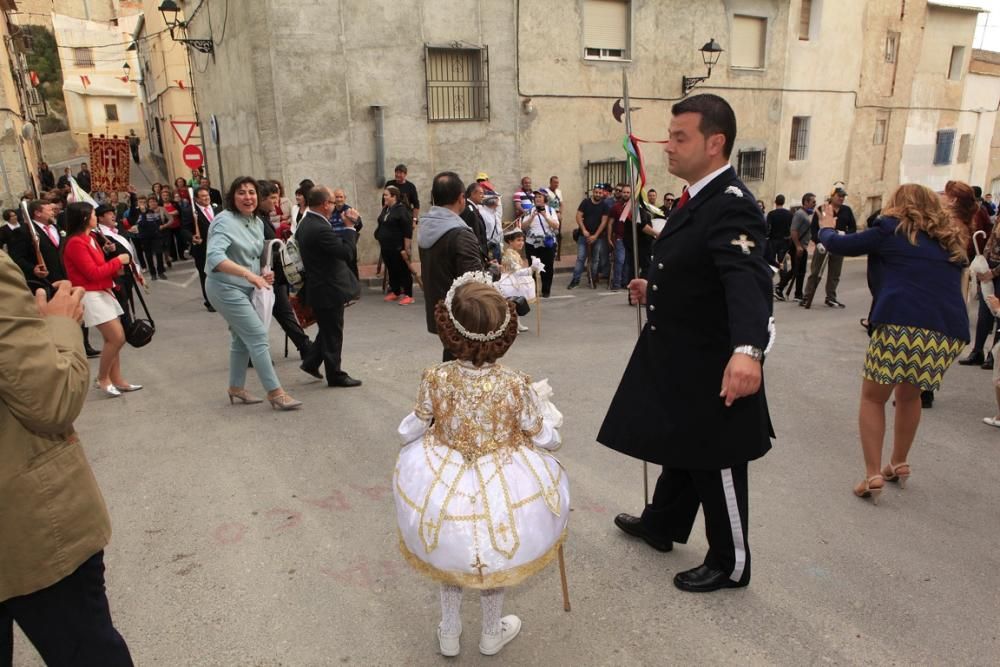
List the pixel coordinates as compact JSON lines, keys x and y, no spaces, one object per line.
{"x":683,"y":200}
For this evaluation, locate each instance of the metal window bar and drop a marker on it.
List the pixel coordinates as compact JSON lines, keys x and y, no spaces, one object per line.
{"x":750,"y":164}
{"x":799,"y":147}
{"x":943,"y":145}
{"x":458,"y":87}
{"x":605,"y":171}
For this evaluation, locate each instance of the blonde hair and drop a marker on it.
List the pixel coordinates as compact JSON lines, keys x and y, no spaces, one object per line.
{"x":918,"y":209}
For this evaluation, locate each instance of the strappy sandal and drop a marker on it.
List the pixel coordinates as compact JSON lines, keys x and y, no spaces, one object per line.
{"x":897,"y":473}
{"x":864,"y":489}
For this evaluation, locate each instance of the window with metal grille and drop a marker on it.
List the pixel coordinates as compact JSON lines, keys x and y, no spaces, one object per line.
{"x":83,"y":57}
{"x":799,"y":147}
{"x":750,"y":164}
{"x":943,"y":145}
{"x":964,"y":148}
{"x":458,"y":83}
{"x":891,"y":46}
{"x":880,"y":127}
{"x":605,"y":171}
{"x":606,"y":29}
{"x":111,"y":113}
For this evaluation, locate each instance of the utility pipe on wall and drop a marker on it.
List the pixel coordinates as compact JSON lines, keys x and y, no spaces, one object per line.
{"x":379,"y":112}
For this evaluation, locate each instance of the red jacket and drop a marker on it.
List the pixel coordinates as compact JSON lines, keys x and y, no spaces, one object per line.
{"x":86,"y":266}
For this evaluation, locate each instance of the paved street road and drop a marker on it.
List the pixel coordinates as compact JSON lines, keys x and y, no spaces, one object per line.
{"x":244,"y":536}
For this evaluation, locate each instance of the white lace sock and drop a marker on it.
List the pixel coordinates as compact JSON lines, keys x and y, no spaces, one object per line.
{"x":451,"y":606}
{"x":492,"y":602}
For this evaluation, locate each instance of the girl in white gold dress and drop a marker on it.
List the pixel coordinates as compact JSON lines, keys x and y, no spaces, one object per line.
{"x":480,"y":502}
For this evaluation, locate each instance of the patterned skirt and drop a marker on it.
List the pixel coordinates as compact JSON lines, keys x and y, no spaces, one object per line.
{"x":898,"y":354}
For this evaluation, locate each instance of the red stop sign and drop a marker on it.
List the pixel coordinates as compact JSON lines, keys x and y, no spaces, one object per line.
{"x":193,"y":157}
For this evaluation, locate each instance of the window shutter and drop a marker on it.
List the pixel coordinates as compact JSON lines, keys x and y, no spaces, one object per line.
{"x":605,"y":24}
{"x":749,"y":33}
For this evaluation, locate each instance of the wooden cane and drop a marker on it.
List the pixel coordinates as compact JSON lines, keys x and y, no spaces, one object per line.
{"x":562,"y":576}
{"x":34,"y":235}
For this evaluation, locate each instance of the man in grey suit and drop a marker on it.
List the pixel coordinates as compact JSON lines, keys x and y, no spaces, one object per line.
{"x":330,"y":285}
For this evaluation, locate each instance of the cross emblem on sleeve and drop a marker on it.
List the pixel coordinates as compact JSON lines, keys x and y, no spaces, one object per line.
{"x":744,"y":243}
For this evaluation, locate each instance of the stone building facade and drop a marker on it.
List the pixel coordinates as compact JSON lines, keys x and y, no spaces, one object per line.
{"x":855,"y":92}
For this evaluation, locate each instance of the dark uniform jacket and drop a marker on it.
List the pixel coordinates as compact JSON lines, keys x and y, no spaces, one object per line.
{"x":327,"y":257}
{"x":709,"y":290}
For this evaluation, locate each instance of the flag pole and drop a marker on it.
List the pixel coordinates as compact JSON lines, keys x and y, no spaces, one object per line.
{"x":631,"y":178}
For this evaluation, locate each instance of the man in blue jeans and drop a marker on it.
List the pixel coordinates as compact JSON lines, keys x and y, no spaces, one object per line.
{"x":589,"y":235}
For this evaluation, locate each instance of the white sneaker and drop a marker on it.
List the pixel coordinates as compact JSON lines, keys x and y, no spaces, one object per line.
{"x":992,"y":421}
{"x":521,"y":328}
{"x":448,"y":643}
{"x":491,"y":644}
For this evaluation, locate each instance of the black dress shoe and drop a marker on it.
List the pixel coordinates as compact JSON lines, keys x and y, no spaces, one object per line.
{"x":974,"y":359}
{"x":704,"y":579}
{"x":344,"y":380}
{"x":314,"y":372}
{"x":988,"y":364}
{"x":633,"y":526}
{"x":92,"y":353}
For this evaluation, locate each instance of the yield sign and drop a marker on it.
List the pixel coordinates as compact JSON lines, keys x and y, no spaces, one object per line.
{"x":189,"y":126}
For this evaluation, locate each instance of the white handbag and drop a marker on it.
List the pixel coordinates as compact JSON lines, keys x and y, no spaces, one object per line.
{"x":263,"y":299}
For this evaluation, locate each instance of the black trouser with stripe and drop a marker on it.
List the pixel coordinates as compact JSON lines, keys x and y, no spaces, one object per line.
{"x":722,"y":494}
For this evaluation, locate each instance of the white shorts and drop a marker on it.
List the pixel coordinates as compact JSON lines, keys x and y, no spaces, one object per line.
{"x":100,"y":307}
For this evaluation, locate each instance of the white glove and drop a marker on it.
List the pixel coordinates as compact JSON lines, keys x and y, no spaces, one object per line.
{"x":536,"y":265}
{"x":820,"y":248}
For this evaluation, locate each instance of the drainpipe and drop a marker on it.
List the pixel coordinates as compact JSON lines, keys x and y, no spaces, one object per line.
{"x":379,"y":112}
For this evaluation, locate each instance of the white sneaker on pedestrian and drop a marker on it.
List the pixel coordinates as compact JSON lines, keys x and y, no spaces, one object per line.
{"x":491,"y":644}
{"x":521,"y":328}
{"x":992,"y":421}
{"x":448,"y":643}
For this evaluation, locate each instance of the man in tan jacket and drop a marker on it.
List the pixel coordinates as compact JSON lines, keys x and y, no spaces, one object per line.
{"x":53,"y":521}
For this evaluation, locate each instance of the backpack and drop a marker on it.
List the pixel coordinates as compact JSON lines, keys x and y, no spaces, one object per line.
{"x":291,"y":262}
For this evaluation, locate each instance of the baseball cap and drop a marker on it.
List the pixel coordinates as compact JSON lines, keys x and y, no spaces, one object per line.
{"x":840,"y":191}
{"x":102,"y":209}
{"x":482,"y":176}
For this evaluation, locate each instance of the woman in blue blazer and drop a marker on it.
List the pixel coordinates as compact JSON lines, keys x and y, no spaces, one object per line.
{"x":919,"y":323}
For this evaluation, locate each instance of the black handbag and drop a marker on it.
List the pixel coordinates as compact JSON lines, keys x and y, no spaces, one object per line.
{"x":521,"y":306}
{"x":139,"y":331}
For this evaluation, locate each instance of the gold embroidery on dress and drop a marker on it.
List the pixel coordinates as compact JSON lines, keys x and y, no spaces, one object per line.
{"x":481,"y":417}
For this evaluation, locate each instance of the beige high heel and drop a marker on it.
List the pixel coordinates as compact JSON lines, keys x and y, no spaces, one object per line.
{"x":899,"y":473}
{"x":242,"y":396}
{"x":864,"y":489}
{"x":284,"y":402}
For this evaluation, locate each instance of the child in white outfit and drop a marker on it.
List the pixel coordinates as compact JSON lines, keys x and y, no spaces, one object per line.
{"x":480,"y":502}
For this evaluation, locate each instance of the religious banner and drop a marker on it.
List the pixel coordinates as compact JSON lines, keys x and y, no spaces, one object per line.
{"x":109,"y":164}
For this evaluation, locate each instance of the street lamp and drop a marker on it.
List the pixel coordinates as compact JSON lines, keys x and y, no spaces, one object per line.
{"x":710,"y":53}
{"x":126,"y":70}
{"x":169,"y":9}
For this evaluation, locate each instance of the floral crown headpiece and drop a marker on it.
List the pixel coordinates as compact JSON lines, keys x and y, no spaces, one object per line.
{"x":464,"y":279}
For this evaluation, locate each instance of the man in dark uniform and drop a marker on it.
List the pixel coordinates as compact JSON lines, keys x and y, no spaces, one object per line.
{"x":692,"y":397}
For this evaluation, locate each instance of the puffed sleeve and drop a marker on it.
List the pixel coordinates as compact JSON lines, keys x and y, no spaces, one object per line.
{"x":539,"y":417}
{"x":415,"y":424}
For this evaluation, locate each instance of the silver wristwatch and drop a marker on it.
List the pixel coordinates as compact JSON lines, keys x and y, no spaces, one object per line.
{"x":754,"y":353}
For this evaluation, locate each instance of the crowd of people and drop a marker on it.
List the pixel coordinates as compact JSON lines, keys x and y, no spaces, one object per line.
{"x":712,"y":253}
